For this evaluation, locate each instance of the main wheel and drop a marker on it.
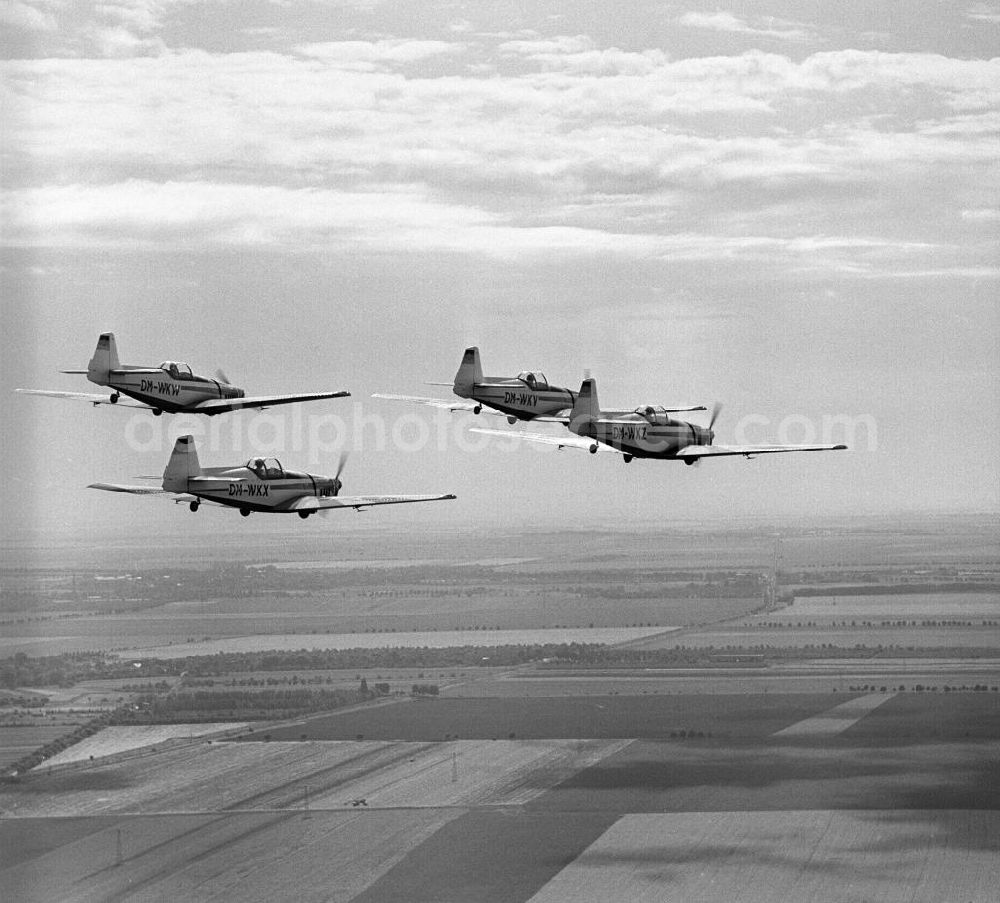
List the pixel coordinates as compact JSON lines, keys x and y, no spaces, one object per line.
{"x":304,"y":514}
{"x":114,"y":398}
{"x":593,"y":449}
{"x":194,"y":506}
{"x":478,"y":409}
{"x":626,"y":458}
{"x":245,"y":512}
{"x":157,"y":412}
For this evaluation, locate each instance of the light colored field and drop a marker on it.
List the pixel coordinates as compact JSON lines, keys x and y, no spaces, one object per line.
{"x":434,"y":639}
{"x":788,"y":857}
{"x":252,"y":857}
{"x":935,"y":606}
{"x":838,"y":719}
{"x":124,"y":738}
{"x":218,"y":776}
{"x":473,"y":772}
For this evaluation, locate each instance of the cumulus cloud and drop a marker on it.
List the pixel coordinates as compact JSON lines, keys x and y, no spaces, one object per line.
{"x":580,"y":147}
{"x":778,"y":29}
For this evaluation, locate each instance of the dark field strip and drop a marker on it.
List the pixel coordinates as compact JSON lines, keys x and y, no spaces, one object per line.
{"x":489,"y":857}
{"x":545,"y":718}
{"x":922,"y":717}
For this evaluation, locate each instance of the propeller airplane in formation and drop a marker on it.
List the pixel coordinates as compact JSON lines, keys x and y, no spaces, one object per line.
{"x":527,"y":396}
{"x":170,"y":387}
{"x":648,"y":431}
{"x":261,"y":484}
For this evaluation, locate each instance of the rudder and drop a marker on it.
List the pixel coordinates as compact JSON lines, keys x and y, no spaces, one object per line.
{"x":182,"y":465}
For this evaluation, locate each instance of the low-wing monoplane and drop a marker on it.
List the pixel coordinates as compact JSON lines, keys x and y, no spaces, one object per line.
{"x":646,"y":432}
{"x":527,"y":396}
{"x":261,"y":484}
{"x":170,"y":387}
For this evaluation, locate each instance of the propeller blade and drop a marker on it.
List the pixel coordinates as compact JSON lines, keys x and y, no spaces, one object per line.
{"x":222,"y":377}
{"x":340,"y":463}
{"x":716,"y":408}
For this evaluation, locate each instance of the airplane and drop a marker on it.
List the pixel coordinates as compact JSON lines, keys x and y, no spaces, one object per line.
{"x":527,"y":396}
{"x":646,"y":432}
{"x":170,"y":387}
{"x":261,"y":484}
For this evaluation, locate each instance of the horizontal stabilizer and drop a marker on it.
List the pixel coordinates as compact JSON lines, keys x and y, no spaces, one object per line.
{"x":91,"y":397}
{"x":134,"y":490}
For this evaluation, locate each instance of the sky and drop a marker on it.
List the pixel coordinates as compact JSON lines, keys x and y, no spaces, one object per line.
{"x":787,"y":207}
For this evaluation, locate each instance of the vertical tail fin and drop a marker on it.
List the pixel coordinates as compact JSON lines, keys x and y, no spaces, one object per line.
{"x":105,"y":359}
{"x":183,"y":464}
{"x":469,"y":373}
{"x":585,"y":409}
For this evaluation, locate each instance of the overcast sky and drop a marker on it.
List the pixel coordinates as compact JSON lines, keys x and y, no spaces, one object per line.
{"x":787,"y":207}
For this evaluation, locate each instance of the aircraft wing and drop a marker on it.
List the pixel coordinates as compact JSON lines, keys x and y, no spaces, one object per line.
{"x":92,"y":397}
{"x":312,"y":503}
{"x":569,"y":441}
{"x":442,"y":403}
{"x":221,"y":405}
{"x":749,"y":451}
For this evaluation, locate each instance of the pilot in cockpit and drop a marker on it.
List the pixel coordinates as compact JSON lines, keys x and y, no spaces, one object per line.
{"x":530,"y":380}
{"x":257,"y":466}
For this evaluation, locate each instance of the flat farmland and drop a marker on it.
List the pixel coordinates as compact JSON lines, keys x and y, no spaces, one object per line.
{"x":595,"y":716}
{"x":758,"y":857}
{"x":753,"y":636}
{"x":916,"y":606}
{"x":883,"y":804}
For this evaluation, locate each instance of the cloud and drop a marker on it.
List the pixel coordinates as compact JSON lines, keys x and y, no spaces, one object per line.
{"x":369,"y":55}
{"x":27,"y":17}
{"x":778,"y":29}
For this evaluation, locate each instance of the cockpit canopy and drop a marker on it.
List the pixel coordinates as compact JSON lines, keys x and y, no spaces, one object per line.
{"x":266,"y":468}
{"x":177,"y":370}
{"x":654,"y":413}
{"x":533,"y":379}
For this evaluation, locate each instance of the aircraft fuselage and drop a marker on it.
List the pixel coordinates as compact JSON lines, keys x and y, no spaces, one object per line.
{"x":240,"y":487}
{"x":163,"y":392}
{"x":517,"y":399}
{"x":636,"y":437}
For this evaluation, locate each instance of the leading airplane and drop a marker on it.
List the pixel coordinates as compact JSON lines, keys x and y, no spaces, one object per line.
{"x":646,"y":432}
{"x":527,"y":396}
{"x":261,"y":484}
{"x":170,"y":387}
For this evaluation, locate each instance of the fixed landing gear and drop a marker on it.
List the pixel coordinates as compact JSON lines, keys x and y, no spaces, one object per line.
{"x":626,"y":458}
{"x":478,"y":409}
{"x":690,"y":461}
{"x":245,"y":512}
{"x":194,"y":506}
{"x":157,"y":412}
{"x":512,"y":420}
{"x":304,"y":514}
{"x":114,"y":398}
{"x":593,"y":449}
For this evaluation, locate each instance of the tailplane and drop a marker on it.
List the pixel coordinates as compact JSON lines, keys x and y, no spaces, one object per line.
{"x":182,"y":465}
{"x":469,"y":373}
{"x":105,"y":359}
